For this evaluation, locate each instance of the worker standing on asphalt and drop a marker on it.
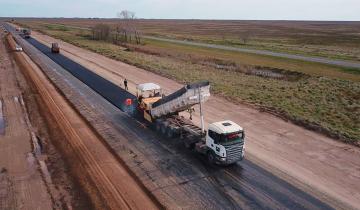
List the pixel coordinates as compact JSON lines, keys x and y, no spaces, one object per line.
{"x":126,"y":84}
{"x":191,"y":111}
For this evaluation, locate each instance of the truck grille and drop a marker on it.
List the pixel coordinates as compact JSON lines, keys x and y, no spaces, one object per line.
{"x":234,"y":152}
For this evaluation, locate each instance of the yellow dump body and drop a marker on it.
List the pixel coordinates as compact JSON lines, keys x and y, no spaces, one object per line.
{"x":146,"y":106}
{"x":147,"y":102}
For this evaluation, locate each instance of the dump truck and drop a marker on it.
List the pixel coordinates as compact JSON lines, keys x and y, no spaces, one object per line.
{"x":55,"y":48}
{"x":223,"y":142}
{"x":26,"y":32}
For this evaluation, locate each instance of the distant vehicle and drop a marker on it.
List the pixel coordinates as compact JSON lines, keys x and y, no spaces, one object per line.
{"x":223,"y":143}
{"x":18,"y":48}
{"x":55,"y":48}
{"x":26,"y":32}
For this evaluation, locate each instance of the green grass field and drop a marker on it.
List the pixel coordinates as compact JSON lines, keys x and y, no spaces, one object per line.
{"x":238,"y":58}
{"x":282,"y":45}
{"x":317,"y":96}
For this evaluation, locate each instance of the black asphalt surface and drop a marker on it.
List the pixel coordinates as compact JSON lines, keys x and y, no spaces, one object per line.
{"x":198,"y":184}
{"x":113,"y":93}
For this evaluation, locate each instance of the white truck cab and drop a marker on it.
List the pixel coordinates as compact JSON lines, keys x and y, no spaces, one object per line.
{"x":225,"y":141}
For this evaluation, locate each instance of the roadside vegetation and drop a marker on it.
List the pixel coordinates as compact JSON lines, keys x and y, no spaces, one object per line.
{"x":338,"y":40}
{"x":319,"y":97}
{"x":306,"y":46}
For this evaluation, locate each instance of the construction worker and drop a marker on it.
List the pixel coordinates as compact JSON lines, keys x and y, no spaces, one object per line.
{"x":126,"y":84}
{"x":191,"y":110}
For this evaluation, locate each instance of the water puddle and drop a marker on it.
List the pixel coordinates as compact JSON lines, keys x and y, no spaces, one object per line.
{"x":2,"y":122}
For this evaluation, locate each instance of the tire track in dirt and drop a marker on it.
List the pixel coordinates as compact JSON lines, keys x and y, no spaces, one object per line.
{"x":21,"y":183}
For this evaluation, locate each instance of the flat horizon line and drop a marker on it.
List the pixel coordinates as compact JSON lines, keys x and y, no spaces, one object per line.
{"x":186,"y":19}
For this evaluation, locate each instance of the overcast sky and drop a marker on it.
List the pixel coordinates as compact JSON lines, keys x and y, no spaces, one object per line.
{"x":188,"y":9}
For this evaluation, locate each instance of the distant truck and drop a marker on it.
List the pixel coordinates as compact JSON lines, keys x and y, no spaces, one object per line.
{"x":223,"y":143}
{"x":55,"y":48}
{"x":26,"y":32}
{"x":18,"y":48}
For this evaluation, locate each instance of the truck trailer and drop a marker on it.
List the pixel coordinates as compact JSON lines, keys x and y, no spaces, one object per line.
{"x":223,"y":142}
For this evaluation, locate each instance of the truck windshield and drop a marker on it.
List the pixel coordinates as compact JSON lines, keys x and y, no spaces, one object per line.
{"x":231,"y":137}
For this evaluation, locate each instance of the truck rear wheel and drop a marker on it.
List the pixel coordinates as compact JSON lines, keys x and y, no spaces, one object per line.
{"x":163,"y":129}
{"x":190,"y":146}
{"x":169,"y":132}
{"x":158,"y":126}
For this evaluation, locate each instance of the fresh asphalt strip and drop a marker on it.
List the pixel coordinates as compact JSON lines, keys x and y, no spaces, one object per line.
{"x":111,"y":92}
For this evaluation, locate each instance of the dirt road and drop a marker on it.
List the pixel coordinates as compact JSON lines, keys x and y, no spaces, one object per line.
{"x":317,"y":164}
{"x":21,"y":183}
{"x":97,"y":168}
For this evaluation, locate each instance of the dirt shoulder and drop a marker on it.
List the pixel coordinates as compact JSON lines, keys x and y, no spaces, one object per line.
{"x":21,"y":179}
{"x":29,"y":141}
{"x":316,"y":163}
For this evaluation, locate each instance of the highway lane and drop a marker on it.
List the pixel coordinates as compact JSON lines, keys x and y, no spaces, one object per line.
{"x":113,"y":93}
{"x":193,"y":183}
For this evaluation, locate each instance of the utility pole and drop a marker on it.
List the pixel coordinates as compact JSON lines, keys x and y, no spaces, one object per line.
{"x":201,"y":113}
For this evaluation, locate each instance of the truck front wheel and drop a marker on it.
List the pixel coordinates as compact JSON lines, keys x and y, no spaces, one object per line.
{"x":210,"y":157}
